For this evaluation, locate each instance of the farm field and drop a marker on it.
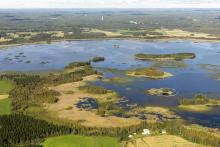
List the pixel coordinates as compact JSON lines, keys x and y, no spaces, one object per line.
{"x":5,"y":87}
{"x":5,"y":106}
{"x":162,"y":141}
{"x":81,"y":141}
{"x":5,"y":102}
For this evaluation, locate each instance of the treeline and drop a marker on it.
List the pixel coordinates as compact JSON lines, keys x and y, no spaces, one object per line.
{"x":197,"y":100}
{"x":71,"y":76}
{"x":18,"y":129}
{"x":176,"y":56}
{"x":36,"y":38}
{"x":33,"y":89}
{"x":77,"y":64}
{"x":29,"y":89}
{"x":201,"y":136}
{"x":25,"y":130}
{"x":43,"y":36}
{"x":94,"y":89}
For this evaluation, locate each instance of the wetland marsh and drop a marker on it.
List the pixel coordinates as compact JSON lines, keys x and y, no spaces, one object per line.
{"x":189,"y":77}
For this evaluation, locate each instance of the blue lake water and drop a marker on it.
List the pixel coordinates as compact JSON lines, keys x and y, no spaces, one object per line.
{"x":187,"y":81}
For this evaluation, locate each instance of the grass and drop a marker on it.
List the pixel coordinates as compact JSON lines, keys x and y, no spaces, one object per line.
{"x":195,"y":108}
{"x":107,"y":33}
{"x":162,"y":141}
{"x":94,"y":89}
{"x":81,"y":141}
{"x":5,"y":102}
{"x":5,"y":87}
{"x":5,"y":106}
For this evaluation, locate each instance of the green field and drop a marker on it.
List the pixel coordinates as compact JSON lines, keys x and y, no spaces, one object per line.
{"x":5,"y":106}
{"x":81,"y":141}
{"x":5,"y":87}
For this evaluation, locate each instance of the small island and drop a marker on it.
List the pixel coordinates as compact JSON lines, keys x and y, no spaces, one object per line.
{"x":161,"y":92}
{"x":163,"y":57}
{"x":98,"y":59}
{"x":151,"y":73}
{"x":200,"y":103}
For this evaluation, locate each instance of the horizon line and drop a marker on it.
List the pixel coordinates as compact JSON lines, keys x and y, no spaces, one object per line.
{"x":117,"y":8}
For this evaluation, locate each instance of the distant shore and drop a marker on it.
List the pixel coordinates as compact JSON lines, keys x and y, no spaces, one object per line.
{"x":163,"y":39}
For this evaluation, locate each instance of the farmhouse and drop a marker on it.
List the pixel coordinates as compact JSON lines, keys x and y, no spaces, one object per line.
{"x":146,"y":132}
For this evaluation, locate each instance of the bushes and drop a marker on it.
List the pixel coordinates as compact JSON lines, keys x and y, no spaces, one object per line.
{"x":197,"y":100}
{"x":194,"y":134}
{"x":176,"y":56}
{"x":94,"y":89}
{"x":98,"y":59}
{"x":77,"y":64}
{"x":72,"y":76}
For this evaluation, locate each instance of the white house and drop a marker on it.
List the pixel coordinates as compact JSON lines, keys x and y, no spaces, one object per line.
{"x":146,"y":132}
{"x":133,"y":22}
{"x":163,"y":132}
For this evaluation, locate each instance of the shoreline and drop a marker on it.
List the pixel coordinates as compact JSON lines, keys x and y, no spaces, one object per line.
{"x":163,"y":39}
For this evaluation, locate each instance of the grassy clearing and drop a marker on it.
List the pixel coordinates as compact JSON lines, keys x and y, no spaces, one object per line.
{"x":5,"y":102}
{"x":181,"y":33}
{"x":162,"y":141}
{"x":81,"y":141}
{"x":5,"y":87}
{"x":5,"y":106}
{"x":107,"y":33}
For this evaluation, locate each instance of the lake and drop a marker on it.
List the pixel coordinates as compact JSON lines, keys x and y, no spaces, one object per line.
{"x":196,"y":76}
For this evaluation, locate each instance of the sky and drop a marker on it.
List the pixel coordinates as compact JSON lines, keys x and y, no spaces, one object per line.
{"x":109,"y":4}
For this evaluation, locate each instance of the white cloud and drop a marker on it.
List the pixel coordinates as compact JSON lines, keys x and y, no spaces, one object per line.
{"x":109,"y":3}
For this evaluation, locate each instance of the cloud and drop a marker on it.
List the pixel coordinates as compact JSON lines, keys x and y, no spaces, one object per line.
{"x":109,"y":3}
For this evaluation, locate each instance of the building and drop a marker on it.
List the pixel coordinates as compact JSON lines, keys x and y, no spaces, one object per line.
{"x":163,"y":132}
{"x":146,"y":132}
{"x":133,"y":22}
